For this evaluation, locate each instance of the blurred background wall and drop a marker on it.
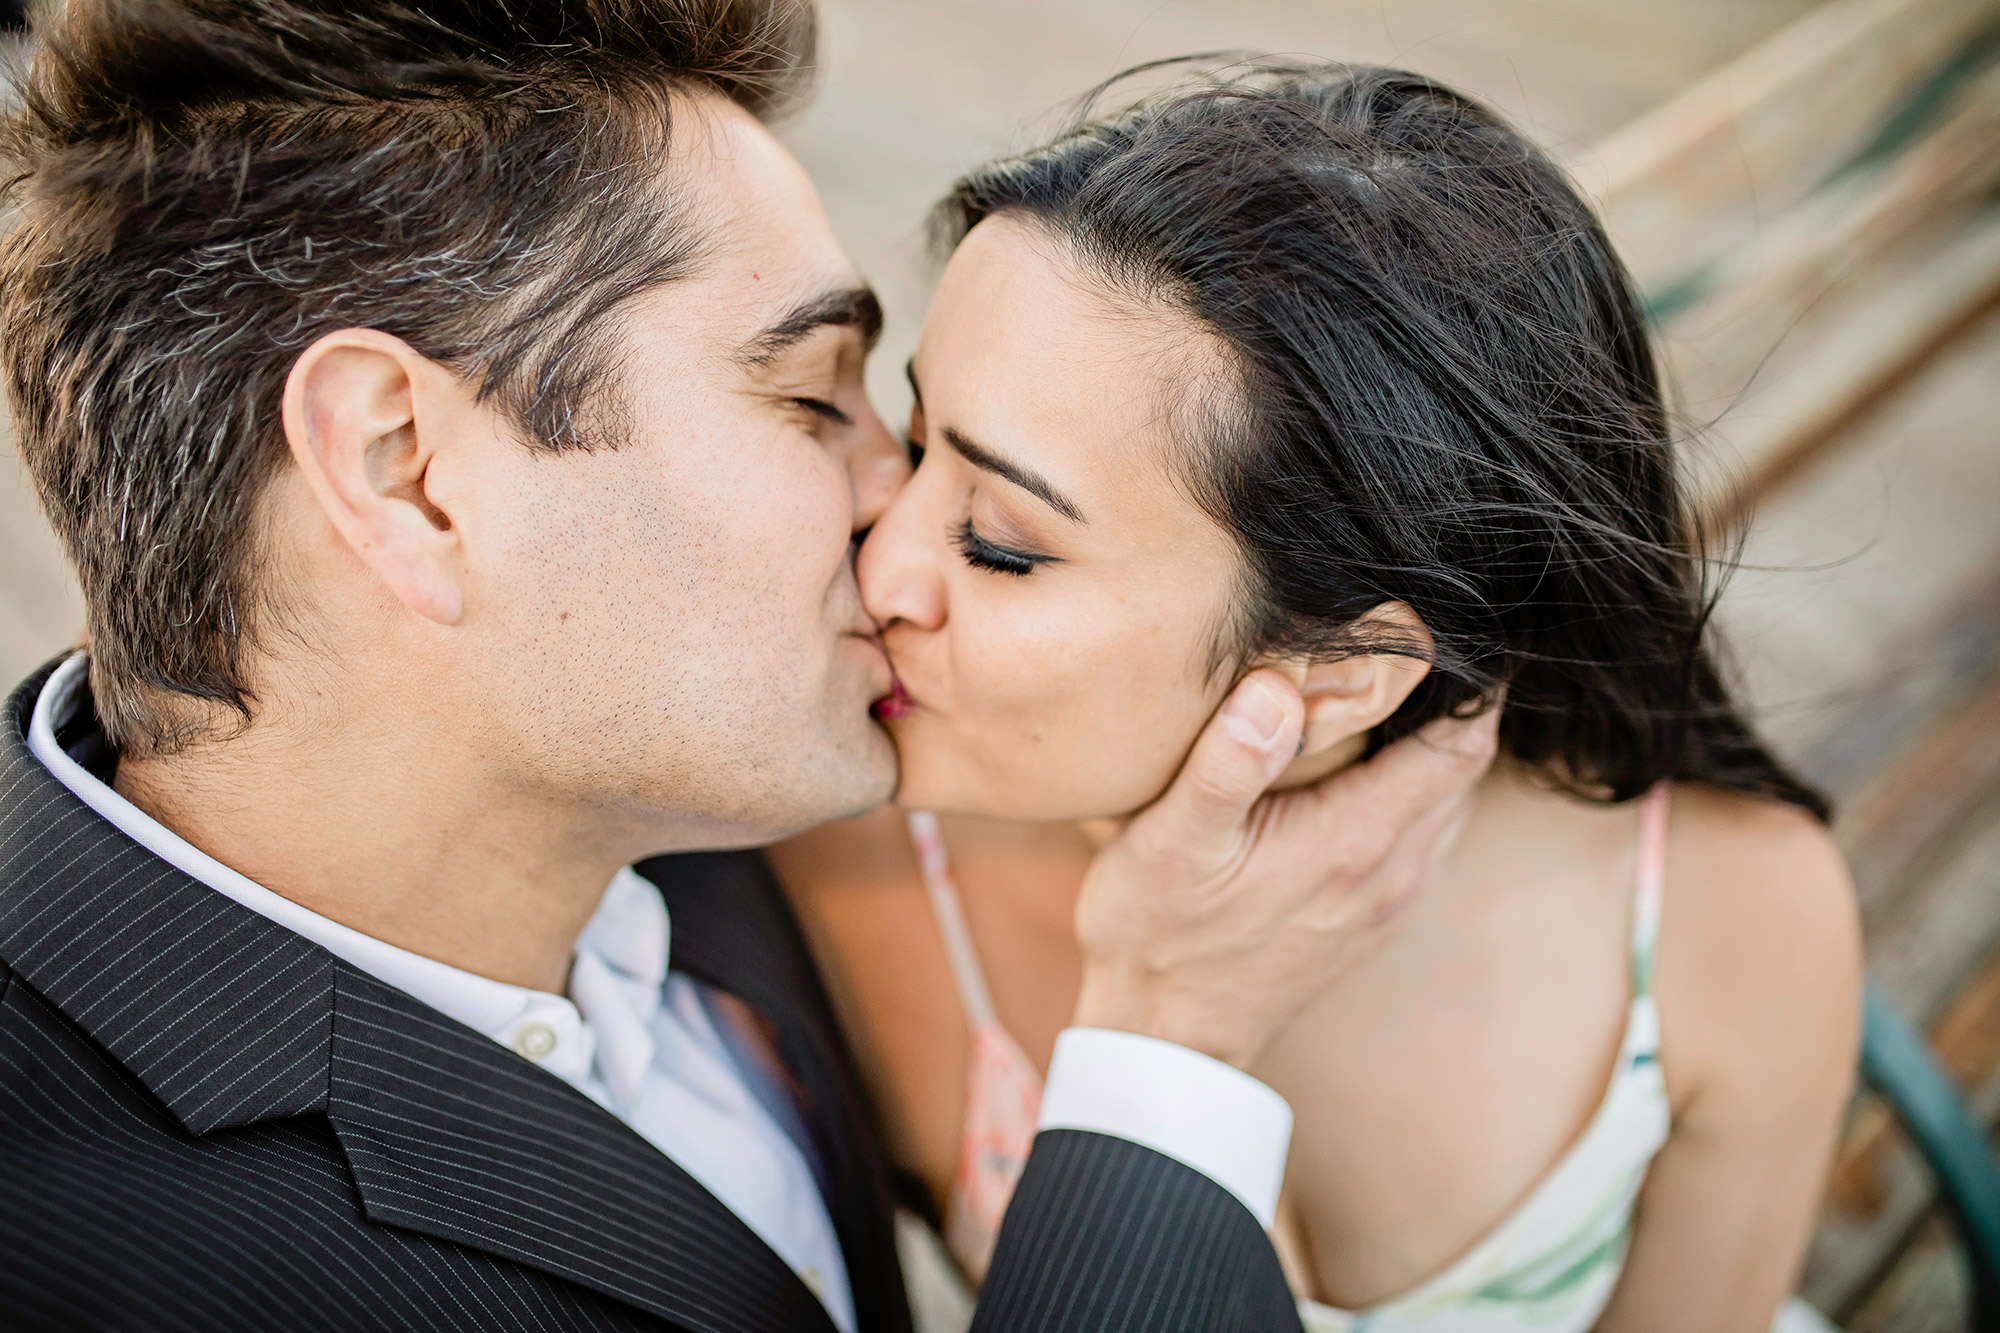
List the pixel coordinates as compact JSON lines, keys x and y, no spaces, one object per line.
{"x":1809,"y":192}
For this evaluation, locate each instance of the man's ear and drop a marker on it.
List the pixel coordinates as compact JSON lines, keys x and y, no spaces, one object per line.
{"x":1348,"y":698}
{"x":354,"y":416}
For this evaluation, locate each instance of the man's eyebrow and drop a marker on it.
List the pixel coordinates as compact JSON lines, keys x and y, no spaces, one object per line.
{"x":1025,"y":477}
{"x":854,"y":307}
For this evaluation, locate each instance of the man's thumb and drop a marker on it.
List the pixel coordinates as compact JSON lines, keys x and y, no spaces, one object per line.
{"x":1242,"y":750}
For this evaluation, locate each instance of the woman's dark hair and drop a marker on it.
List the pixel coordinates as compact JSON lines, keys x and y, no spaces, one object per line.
{"x":1443,"y":395}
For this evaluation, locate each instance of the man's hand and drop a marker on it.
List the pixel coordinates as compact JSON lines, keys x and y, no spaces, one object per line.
{"x":1218,"y":914}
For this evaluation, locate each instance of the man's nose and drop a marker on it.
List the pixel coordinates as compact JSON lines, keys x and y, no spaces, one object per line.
{"x":877,"y":471}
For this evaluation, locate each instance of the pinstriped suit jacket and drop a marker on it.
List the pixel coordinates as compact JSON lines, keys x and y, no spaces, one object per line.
{"x":210,"y":1123}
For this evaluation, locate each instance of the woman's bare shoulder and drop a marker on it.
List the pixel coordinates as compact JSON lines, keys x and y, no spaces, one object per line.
{"x":1753,"y":855}
{"x":1760,"y":949}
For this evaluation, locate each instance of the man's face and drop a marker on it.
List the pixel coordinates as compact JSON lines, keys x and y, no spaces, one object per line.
{"x":669,"y":629}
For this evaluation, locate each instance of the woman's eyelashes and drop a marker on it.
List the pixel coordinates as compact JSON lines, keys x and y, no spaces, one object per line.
{"x":982,"y":554}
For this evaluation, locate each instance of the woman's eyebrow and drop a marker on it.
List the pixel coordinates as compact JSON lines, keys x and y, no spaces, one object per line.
{"x":999,"y":465}
{"x":1020,"y":474}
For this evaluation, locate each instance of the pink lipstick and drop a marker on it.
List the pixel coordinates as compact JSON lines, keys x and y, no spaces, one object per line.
{"x":896,"y":703}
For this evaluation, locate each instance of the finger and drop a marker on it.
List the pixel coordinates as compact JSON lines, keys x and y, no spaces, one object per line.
{"x":1238,"y":754}
{"x":1409,"y":779}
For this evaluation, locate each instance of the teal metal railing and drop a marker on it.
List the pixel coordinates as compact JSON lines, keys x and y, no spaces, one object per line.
{"x":1898,"y":1064}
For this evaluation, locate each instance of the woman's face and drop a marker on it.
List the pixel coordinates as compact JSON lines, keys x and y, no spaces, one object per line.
{"x":1049,"y":596}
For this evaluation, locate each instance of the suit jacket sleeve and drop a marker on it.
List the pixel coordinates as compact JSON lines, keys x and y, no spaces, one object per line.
{"x":1107,"y":1235}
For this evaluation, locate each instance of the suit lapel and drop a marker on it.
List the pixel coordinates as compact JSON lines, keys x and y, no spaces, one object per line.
{"x":733,"y":929}
{"x":453,"y":1136}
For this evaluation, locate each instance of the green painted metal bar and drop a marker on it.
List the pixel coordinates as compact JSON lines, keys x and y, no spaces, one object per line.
{"x":1897,"y":1063}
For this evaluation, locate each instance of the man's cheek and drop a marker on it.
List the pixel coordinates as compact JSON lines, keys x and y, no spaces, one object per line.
{"x":822,"y":512}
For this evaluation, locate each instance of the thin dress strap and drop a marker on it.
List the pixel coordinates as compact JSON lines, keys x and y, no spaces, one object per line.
{"x":934,"y":864}
{"x":1649,"y":887}
{"x":1003,"y":1089}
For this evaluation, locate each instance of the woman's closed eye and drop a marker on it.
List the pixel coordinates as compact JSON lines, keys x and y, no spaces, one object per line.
{"x":983,"y":554}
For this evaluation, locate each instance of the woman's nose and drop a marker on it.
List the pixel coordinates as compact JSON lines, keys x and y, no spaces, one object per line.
{"x":898,"y":568}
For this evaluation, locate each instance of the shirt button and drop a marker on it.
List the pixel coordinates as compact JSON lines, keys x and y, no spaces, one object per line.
{"x":814,"y":1282}
{"x":535,"y":1040}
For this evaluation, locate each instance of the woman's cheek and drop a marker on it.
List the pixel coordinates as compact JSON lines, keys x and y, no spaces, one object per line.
{"x":1038,"y":725}
{"x":1167,"y":709}
{"x":1130,"y":748}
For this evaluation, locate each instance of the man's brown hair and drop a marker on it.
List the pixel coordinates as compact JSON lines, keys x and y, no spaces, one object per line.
{"x":206,"y":187}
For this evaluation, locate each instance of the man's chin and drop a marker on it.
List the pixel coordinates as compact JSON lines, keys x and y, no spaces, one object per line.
{"x":875,"y":784}
{"x":864,"y":779}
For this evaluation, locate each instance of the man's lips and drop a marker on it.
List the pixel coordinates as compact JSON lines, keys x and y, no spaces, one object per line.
{"x":896,"y":703}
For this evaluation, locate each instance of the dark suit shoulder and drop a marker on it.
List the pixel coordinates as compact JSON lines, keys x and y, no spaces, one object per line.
{"x":117,"y":1218}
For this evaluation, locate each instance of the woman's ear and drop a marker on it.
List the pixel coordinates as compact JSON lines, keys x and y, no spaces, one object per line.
{"x":1348,"y":698}
{"x":354,"y":415}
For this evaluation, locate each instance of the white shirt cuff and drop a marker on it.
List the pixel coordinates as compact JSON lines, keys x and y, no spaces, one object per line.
{"x":1197,"y":1110}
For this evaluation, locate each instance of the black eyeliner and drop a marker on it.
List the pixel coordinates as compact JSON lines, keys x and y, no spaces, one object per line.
{"x":982,"y":554}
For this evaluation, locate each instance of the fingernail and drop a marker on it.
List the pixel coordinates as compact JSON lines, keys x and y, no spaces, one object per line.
{"x":1254,"y":715}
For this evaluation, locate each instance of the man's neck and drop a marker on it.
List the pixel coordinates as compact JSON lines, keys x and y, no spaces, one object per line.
{"x":397,"y":836}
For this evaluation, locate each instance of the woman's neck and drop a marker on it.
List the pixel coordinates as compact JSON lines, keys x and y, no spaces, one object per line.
{"x":1041,"y":865}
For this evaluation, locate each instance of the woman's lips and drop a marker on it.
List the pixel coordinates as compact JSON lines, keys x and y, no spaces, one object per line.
{"x":896,"y":703}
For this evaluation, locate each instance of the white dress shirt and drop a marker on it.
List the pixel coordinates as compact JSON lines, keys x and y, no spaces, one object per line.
{"x":636,"y":1038}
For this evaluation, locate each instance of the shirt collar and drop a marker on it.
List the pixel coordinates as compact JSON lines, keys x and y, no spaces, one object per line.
{"x":627,"y":937}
